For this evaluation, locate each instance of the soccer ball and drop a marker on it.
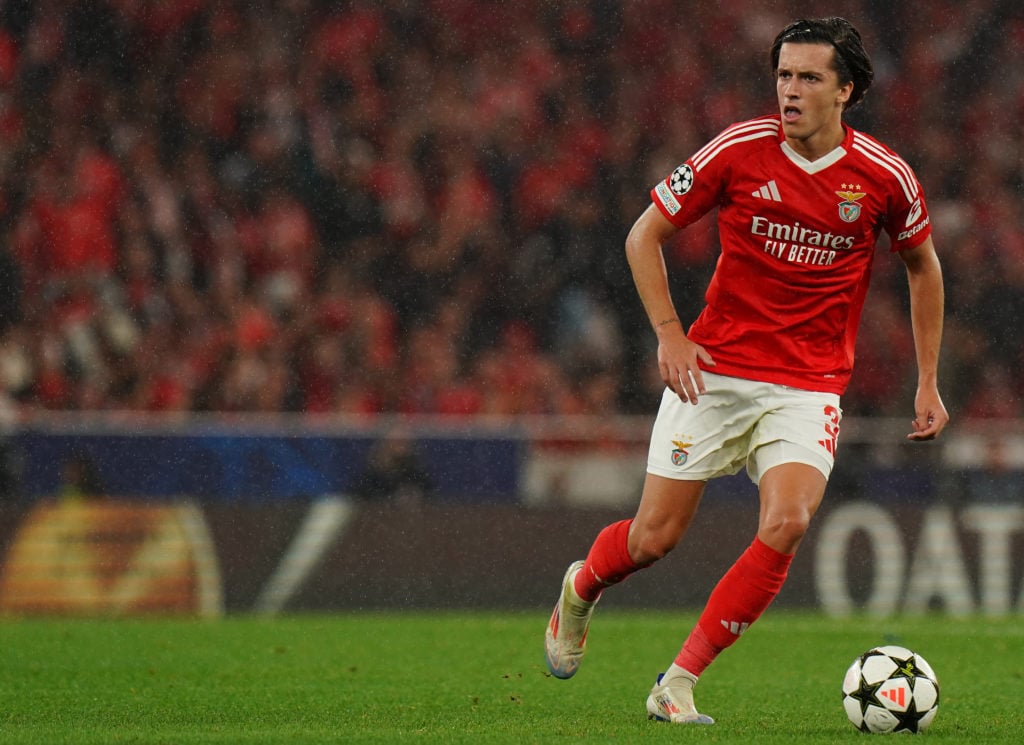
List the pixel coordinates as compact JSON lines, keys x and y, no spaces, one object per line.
{"x":890,"y":689}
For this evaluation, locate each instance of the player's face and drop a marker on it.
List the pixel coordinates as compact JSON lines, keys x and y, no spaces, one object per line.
{"x":810,"y":98}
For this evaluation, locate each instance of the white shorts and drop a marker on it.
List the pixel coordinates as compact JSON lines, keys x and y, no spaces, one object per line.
{"x":743,"y":422}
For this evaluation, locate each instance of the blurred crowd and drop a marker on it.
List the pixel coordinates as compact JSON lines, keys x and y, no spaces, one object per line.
{"x":419,"y":206}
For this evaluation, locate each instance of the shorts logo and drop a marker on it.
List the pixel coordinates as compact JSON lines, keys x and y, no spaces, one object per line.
{"x":849,"y":210}
{"x":681,"y":179}
{"x":680,"y":453}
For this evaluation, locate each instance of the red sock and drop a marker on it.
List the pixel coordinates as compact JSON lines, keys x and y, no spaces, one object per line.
{"x":740,"y":597}
{"x":608,"y":562}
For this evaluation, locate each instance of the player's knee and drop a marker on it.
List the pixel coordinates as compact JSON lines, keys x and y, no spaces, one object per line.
{"x":647,"y":546}
{"x":784,"y":530}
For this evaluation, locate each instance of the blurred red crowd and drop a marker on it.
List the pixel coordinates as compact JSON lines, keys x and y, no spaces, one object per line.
{"x":419,"y":206}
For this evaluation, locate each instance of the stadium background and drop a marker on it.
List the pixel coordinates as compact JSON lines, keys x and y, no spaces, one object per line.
{"x":250,"y":249}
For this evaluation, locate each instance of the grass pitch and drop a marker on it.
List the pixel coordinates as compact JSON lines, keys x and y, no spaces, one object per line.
{"x":473,"y":677}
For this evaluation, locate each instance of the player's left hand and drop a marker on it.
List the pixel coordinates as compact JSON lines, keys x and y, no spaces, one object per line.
{"x":930,"y":417}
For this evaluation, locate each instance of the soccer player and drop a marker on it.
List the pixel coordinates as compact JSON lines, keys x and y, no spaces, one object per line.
{"x":756,"y":380}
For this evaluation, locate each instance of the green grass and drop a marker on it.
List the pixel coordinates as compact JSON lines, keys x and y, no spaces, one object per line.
{"x":472,"y":677}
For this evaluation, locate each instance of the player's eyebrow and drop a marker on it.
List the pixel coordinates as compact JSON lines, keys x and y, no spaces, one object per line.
{"x":810,"y":71}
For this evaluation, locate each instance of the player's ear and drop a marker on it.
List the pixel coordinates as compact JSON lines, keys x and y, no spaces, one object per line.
{"x":845,"y":92}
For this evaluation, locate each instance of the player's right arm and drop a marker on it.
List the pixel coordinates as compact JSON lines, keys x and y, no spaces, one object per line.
{"x":677,"y":355}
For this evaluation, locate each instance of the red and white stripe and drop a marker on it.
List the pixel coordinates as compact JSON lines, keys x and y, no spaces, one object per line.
{"x":898,"y":167}
{"x":737,"y":133}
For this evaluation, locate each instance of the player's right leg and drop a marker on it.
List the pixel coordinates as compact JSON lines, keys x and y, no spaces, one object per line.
{"x":678,"y":469}
{"x":607,"y":563}
{"x":566,"y":635}
{"x":666,"y":509}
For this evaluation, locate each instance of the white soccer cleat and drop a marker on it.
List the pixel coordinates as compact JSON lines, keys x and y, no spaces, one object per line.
{"x":675,"y":704}
{"x":566,"y":635}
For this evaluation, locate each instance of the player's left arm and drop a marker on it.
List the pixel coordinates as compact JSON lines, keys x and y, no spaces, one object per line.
{"x":924,"y":276}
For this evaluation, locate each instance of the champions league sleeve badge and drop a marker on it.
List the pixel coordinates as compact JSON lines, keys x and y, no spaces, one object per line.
{"x":681,"y":179}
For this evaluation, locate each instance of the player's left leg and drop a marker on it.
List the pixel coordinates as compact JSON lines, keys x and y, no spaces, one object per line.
{"x":790,"y":495}
{"x":790,"y":456}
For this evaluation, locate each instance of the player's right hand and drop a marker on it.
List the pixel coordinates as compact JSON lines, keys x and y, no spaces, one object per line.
{"x":678,"y":363}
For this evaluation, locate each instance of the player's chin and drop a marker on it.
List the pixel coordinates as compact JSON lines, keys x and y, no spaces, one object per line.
{"x":793,"y":129}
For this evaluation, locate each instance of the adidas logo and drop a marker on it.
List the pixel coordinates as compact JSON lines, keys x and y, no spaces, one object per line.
{"x":735,"y":627}
{"x":769,"y":191}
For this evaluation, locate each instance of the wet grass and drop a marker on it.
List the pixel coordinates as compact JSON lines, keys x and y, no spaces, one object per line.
{"x":472,"y":677}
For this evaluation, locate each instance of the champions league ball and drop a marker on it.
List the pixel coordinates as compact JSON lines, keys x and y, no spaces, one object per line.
{"x":890,"y":689}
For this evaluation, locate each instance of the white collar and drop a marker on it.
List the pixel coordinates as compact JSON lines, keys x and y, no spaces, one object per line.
{"x":813,"y":166}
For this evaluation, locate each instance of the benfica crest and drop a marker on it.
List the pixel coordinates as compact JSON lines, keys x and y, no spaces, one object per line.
{"x":680,"y":453}
{"x":849,"y":210}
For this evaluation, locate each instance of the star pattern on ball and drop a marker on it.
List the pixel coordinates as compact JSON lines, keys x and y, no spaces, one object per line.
{"x":906,"y":668}
{"x":867,"y":695}
{"x":890,"y":689}
{"x":909,"y":719}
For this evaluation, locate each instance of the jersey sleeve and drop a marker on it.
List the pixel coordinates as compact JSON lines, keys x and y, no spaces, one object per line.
{"x":687,"y":194}
{"x":699,"y":184}
{"x":908,"y":223}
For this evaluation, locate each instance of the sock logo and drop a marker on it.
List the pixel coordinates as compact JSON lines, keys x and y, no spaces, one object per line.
{"x":735,"y":627}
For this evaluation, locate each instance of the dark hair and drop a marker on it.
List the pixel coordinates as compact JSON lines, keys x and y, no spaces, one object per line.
{"x":851,"y":61}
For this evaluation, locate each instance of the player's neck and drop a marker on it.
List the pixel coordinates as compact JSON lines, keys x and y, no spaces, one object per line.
{"x":820,"y":143}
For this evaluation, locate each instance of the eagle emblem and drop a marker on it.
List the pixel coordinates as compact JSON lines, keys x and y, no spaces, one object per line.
{"x":680,"y":453}
{"x":849,"y":209}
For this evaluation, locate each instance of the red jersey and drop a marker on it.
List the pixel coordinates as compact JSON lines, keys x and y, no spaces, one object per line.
{"x":797,"y":240}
